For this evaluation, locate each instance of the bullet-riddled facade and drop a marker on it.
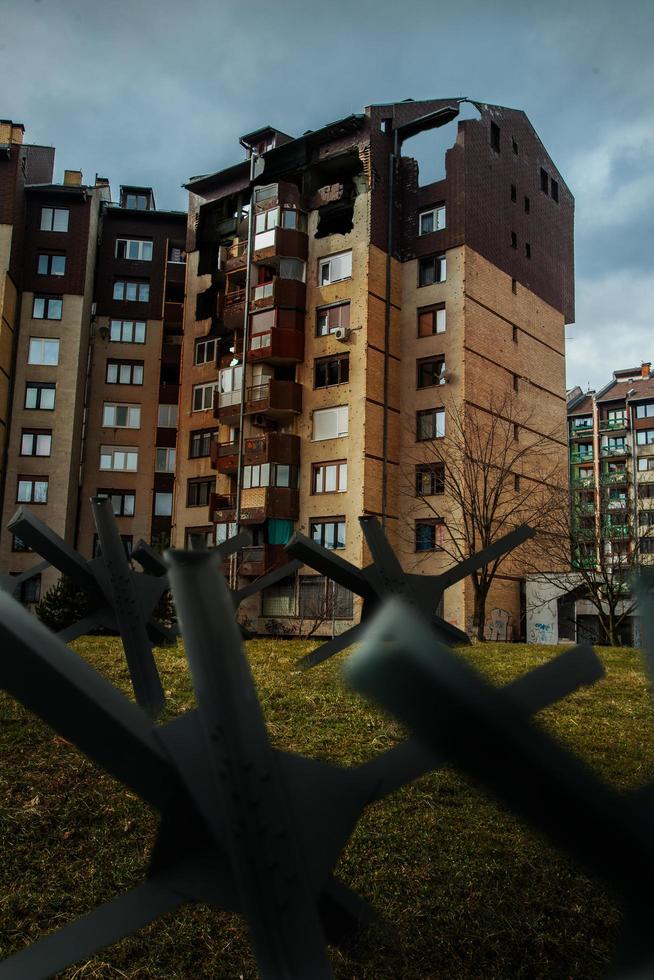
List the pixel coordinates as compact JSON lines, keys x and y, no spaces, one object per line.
{"x":345,"y":280}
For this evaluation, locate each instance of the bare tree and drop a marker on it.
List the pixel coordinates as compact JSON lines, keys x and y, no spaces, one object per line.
{"x":489,"y":473}
{"x":606,"y":545}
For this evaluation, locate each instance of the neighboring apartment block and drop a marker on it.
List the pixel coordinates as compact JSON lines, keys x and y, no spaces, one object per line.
{"x":94,"y":370}
{"x":366,"y":303}
{"x":612,"y":467}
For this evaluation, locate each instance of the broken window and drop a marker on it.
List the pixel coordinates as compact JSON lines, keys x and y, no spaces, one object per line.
{"x":554,"y":190}
{"x":514,"y":240}
{"x":432,"y":220}
{"x":514,"y":192}
{"x":544,"y":181}
{"x":495,"y":136}
{"x":527,"y":250}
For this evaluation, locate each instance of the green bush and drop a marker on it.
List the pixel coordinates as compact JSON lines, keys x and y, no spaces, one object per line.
{"x":62,"y":605}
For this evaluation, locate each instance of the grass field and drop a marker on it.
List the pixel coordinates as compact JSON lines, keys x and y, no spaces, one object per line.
{"x":463,"y":889}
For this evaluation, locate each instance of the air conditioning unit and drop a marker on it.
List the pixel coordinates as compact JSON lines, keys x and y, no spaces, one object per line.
{"x":260,"y":421}
{"x":341,"y":333}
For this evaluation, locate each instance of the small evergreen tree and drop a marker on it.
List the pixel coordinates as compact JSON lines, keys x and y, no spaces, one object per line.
{"x":62,"y":605}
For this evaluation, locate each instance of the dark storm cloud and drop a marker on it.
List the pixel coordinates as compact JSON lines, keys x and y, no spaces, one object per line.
{"x":157,"y":92}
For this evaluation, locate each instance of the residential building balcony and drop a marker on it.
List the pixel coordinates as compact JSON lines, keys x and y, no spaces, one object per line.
{"x":257,"y":505}
{"x":274,"y":447}
{"x":613,"y":425}
{"x":621,"y":504}
{"x":577,"y":457}
{"x":173,"y":313}
{"x":275,"y":399}
{"x":237,"y":254}
{"x":583,"y":532}
{"x":277,"y":346}
{"x":581,"y":431}
{"x":613,"y":479}
{"x":233,"y":308}
{"x":584,"y":561}
{"x":608,"y":452}
{"x":582,"y":482}
{"x":279,"y":292}
{"x":616,"y":530}
{"x":585,"y":507}
{"x":224,"y":456}
{"x":260,"y":559}
{"x":277,"y":243}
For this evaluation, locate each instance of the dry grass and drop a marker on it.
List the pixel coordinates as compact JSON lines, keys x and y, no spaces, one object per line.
{"x":464,"y":890}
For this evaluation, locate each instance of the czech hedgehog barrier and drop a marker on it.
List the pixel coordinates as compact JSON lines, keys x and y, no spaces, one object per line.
{"x":256,"y":830}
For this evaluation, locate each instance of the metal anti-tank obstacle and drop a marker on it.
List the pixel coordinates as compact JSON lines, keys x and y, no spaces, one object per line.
{"x":244,"y":827}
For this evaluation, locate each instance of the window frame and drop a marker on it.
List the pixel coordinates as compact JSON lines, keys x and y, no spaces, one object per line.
{"x":133,"y":241}
{"x":112,"y":452}
{"x":423,"y":363}
{"x":49,"y":256}
{"x":436,"y":472}
{"x":49,"y":307}
{"x":119,"y":365}
{"x":326,"y":261}
{"x":43,"y":341}
{"x":435,"y":212}
{"x":199,"y":482}
{"x":170,"y":456}
{"x":112,"y":495}
{"x":39,"y":387}
{"x":330,"y":359}
{"x":433,"y":309}
{"x":129,"y":407}
{"x":327,"y":309}
{"x":319,"y":476}
{"x":434,"y":524}
{"x":36,"y":435}
{"x":434,"y":412}
{"x":32,"y":481}
{"x":438,"y":263}
{"x":171,"y":407}
{"x":134,"y":324}
{"x":204,"y":388}
{"x":50,"y":226}
{"x":200,"y":435}
{"x":321,"y":538}
{"x":321,"y":412}
{"x":206,"y":344}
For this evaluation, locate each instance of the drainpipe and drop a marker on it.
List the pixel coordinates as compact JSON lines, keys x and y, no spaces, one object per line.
{"x":392,"y":163}
{"x":246,"y":337}
{"x":634,"y":472}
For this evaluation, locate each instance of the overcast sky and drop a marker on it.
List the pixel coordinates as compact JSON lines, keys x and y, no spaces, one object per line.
{"x":146,"y":92}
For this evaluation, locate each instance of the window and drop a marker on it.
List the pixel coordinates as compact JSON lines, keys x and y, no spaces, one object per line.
{"x":205,"y":351}
{"x":124,"y":372}
{"x":131,"y":292}
{"x":54,"y":219}
{"x":138,"y":202}
{"x":515,"y":334}
{"x":292,"y":269}
{"x":432,"y":269}
{"x":32,"y":490}
{"x":200,"y":443}
{"x":270,"y":475}
{"x":43,"y":351}
{"x":554,"y":190}
{"x":17,"y":544}
{"x":331,"y":371}
{"x":514,"y":240}
{"x":51,"y":265}
{"x":514,"y":287}
{"x":330,"y":318}
{"x":123,"y":502}
{"x":127,"y":331}
{"x":119,"y":458}
{"x":516,"y":382}
{"x":647,"y":463}
{"x":198,"y":492}
{"x":167,"y":417}
{"x":34,"y":442}
{"x":431,"y":320}
{"x":645,"y":437}
{"x":321,"y":598}
{"x":430,"y":534}
{"x":121,"y":416}
{"x":527,"y":205}
{"x":544,"y":181}
{"x":47,"y":308}
{"x":429,"y":371}
{"x":197,"y":537}
{"x":646,"y":546}
{"x":177,"y":255}
{"x":514,"y":145}
{"x":134,"y":248}
{"x":516,"y":482}
{"x":335,"y":268}
{"x":644,"y":411}
{"x":433,"y":220}
{"x":646,"y":518}
{"x":279,"y":599}
{"x":329,"y":477}
{"x":495,"y":136}
{"x":40,"y":395}
{"x":30,"y":590}
{"x":516,"y":432}
{"x":165,"y":460}
{"x":430,"y":424}
{"x":224,"y":532}
{"x":203,"y":397}
{"x":646,"y":491}
{"x":514,"y":192}
{"x":430,"y":479}
{"x":163,"y":504}
{"x":328,"y":532}
{"x":127,"y":542}
{"x":527,"y":250}
{"x":330,"y":423}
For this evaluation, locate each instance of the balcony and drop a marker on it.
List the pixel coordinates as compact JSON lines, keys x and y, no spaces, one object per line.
{"x":275,"y":399}
{"x":582,"y":482}
{"x":278,"y":243}
{"x":608,"y":452}
{"x":274,"y":447}
{"x":278,"y":346}
{"x":261,"y":559}
{"x":233,"y":310}
{"x":583,"y":532}
{"x":224,"y":456}
{"x":584,"y":561}
{"x":577,"y":457}
{"x":257,"y":505}
{"x":585,"y":507}
{"x":579,"y":431}
{"x":280,"y":292}
{"x":236,"y":257}
{"x":620,"y":504}
{"x":173,"y":313}
{"x":611,"y":479}
{"x":616,"y":530}
{"x":613,"y":425}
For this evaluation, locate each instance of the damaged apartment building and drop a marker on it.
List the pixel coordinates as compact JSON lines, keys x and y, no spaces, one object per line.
{"x":344,"y":290}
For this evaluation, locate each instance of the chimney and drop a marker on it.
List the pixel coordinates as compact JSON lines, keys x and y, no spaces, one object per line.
{"x":11,"y":132}
{"x":72,"y":178}
{"x":101,"y":181}
{"x":645,"y":368}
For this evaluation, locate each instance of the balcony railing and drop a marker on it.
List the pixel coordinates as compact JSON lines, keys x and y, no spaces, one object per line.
{"x":620,"y":504}
{"x":585,"y":507}
{"x":582,"y":430}
{"x":582,"y":482}
{"x":290,"y":293}
{"x":610,"y":425}
{"x":622,"y":450}
{"x":236,"y":257}
{"x":584,"y":561}
{"x":577,"y":457}
{"x":616,"y":530}
{"x":610,"y":479}
{"x":257,"y":505}
{"x":277,"y":344}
